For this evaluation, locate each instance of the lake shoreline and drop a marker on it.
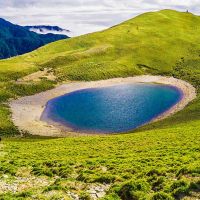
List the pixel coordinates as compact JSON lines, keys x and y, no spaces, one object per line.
{"x":27,"y":111}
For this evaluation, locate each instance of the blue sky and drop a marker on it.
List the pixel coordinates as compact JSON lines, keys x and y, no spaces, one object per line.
{"x":84,"y":16}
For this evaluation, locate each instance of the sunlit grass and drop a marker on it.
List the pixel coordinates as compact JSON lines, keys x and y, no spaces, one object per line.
{"x":158,"y":161}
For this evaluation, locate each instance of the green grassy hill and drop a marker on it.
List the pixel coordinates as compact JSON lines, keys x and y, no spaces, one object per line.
{"x":158,"y":161}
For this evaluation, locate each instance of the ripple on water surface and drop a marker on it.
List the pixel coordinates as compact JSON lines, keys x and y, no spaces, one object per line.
{"x":111,"y":109}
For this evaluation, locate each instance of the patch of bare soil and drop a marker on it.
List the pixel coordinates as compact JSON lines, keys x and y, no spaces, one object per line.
{"x":47,"y":73}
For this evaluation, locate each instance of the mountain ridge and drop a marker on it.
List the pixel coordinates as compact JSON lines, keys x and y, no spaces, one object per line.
{"x":17,"y":40}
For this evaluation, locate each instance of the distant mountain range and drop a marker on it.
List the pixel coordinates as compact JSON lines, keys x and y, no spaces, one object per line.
{"x":16,"y":40}
{"x":43,"y":29}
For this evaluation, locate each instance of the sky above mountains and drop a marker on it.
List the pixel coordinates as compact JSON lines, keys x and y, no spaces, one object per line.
{"x":84,"y":16}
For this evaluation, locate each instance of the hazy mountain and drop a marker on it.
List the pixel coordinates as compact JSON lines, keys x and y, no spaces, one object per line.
{"x":16,"y":40}
{"x":44,"y":29}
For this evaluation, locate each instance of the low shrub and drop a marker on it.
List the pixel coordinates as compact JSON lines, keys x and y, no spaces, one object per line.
{"x":133,"y":190}
{"x":161,"y":196}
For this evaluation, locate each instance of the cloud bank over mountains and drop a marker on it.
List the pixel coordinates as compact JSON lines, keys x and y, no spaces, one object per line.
{"x":84,"y":16}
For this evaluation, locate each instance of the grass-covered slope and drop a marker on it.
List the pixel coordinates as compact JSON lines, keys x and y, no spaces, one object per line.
{"x":160,"y":161}
{"x":152,"y":42}
{"x":161,"y":164}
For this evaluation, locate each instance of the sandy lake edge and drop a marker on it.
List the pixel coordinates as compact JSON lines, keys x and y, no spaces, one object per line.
{"x":27,"y":111}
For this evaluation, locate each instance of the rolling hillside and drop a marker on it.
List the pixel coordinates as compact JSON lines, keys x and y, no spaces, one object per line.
{"x":158,"y":161}
{"x":16,"y":40}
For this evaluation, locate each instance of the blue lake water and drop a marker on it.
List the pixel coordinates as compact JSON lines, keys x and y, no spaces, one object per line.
{"x":113,"y":109}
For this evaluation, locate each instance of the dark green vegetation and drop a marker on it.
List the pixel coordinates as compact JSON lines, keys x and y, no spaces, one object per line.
{"x":16,"y":40}
{"x":138,"y":166}
{"x":158,"y":161}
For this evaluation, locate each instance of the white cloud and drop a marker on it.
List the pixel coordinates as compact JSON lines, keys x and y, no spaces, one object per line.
{"x":83,"y":16}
